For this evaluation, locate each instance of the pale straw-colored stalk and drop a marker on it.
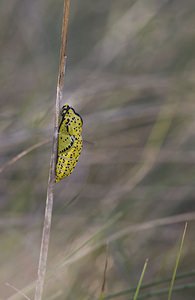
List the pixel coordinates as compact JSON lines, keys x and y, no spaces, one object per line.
{"x":50,"y":189}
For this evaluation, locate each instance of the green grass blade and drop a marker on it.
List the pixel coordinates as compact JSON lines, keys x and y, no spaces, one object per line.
{"x":177,"y":263}
{"x":164,"y":291}
{"x":151,"y":285}
{"x":140,"y":280}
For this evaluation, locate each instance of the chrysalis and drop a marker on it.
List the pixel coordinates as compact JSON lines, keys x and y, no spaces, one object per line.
{"x":69,"y":142}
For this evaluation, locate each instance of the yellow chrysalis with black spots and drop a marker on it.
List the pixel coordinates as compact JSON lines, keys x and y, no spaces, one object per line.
{"x":69,"y":142}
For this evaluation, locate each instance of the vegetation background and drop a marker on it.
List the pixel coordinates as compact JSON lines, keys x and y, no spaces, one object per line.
{"x":131,"y":75}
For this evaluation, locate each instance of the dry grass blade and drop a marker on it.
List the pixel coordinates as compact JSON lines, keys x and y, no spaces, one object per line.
{"x":51,"y":181}
{"x":22,"y":154}
{"x":17,"y":290}
{"x":85,"y":248}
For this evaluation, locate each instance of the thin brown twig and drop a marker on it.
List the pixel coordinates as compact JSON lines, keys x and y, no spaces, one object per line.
{"x":105,"y":272}
{"x":22,"y":154}
{"x":51,"y":180}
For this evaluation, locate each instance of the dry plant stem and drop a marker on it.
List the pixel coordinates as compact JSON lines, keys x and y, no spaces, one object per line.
{"x":51,"y":181}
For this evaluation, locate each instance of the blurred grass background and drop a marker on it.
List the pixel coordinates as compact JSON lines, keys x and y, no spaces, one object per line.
{"x":130,"y":74}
